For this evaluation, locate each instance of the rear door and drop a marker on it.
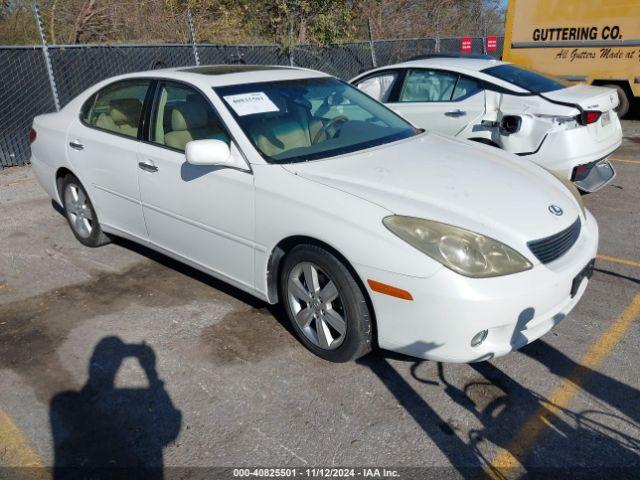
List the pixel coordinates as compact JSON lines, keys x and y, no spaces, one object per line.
{"x":439,"y":100}
{"x":203,"y":213}
{"x":102,"y":147}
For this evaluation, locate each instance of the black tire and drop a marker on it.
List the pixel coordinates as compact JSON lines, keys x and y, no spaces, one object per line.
{"x":93,"y":238}
{"x":623,"y":107}
{"x":357,"y":339}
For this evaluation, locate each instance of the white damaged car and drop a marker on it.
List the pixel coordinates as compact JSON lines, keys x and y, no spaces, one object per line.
{"x":571,"y":130}
{"x":298,"y":188}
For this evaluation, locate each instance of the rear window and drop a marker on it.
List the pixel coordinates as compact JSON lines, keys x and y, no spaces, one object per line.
{"x":528,"y":79}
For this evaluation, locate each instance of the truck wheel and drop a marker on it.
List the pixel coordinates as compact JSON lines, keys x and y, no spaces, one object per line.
{"x":623,"y":107}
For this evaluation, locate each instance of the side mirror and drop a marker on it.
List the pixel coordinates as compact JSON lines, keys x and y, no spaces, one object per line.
{"x":208,"y":152}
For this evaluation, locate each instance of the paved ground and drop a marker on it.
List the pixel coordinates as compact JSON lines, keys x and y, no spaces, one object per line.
{"x":220,"y":381}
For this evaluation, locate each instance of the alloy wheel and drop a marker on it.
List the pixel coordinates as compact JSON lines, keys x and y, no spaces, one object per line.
{"x":78,"y":210}
{"x":316,"y":306}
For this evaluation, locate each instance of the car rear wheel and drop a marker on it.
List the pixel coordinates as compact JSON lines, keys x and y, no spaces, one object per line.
{"x":325,"y":305}
{"x":80,"y":213}
{"x":623,"y":107}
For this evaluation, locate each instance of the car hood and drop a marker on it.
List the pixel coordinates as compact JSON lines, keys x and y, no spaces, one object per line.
{"x":452,"y":181}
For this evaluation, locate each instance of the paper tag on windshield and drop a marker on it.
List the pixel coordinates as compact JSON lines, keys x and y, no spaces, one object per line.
{"x":251,"y":103}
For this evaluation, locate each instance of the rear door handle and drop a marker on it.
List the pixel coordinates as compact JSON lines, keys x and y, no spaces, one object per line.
{"x":455,"y":113}
{"x":76,"y":145}
{"x":147,"y":167}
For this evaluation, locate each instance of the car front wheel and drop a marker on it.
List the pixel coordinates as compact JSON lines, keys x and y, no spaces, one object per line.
{"x":325,"y":305}
{"x":80,"y":213}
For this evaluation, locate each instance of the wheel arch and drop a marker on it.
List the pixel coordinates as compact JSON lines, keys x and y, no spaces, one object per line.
{"x":280,"y":251}
{"x":60,"y":174}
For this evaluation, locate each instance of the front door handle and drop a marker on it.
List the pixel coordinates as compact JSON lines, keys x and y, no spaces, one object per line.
{"x":455,"y":113}
{"x":147,"y":167}
{"x":76,"y":145}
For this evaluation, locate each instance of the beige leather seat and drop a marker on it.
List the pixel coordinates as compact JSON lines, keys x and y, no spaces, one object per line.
{"x":291,"y":127}
{"x":189,"y":121}
{"x":123,"y":116}
{"x":422,"y":89}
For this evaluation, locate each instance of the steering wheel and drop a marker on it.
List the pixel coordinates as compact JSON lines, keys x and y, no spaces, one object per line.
{"x":325,"y":128}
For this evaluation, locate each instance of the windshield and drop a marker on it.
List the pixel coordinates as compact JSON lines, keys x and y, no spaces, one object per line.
{"x":299,"y":120}
{"x":528,"y":79}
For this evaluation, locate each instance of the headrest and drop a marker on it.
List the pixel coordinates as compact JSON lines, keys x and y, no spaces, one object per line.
{"x":125,"y":111}
{"x":280,"y":102}
{"x":188,"y":116}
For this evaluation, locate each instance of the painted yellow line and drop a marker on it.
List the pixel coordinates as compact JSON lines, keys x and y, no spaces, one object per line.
{"x":624,"y":160}
{"x":15,"y":451}
{"x":21,"y":181}
{"x":508,"y":459}
{"x":623,"y":261}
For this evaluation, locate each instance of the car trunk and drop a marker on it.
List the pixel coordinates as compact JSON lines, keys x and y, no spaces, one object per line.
{"x":590,"y":98}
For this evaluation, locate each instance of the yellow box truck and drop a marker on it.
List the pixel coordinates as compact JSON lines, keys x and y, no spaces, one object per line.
{"x":590,"y":41}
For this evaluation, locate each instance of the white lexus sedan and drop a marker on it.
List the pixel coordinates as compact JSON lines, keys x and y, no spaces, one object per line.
{"x":571,"y":130}
{"x":298,"y":188}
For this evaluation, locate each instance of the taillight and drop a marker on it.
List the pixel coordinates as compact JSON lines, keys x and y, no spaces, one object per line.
{"x":580,"y":172}
{"x":32,"y":135}
{"x":589,"y":116}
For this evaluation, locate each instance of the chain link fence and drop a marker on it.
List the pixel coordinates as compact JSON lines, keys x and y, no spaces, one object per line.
{"x":27,"y":89}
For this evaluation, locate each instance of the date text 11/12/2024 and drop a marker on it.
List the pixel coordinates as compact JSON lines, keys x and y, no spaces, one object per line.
{"x":315,"y":473}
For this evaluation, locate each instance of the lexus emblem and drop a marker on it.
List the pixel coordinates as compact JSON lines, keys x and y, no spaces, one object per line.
{"x":556,"y":210}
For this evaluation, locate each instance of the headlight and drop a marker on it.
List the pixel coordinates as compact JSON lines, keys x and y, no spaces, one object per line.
{"x":465,"y":252}
{"x":572,"y":188}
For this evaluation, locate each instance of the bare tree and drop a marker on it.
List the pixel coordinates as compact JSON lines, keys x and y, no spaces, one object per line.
{"x":287,"y":22}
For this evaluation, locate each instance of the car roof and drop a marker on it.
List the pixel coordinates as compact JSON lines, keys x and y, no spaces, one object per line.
{"x":472,"y":65}
{"x":222,"y":75}
{"x":460,"y":62}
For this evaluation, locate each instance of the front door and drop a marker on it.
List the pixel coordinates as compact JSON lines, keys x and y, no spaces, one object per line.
{"x":202,"y":213}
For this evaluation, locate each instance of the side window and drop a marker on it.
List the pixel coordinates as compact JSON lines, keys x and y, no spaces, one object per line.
{"x":379,"y":86}
{"x":182,"y":114}
{"x":428,"y":86}
{"x":466,"y":87}
{"x":117,"y":107}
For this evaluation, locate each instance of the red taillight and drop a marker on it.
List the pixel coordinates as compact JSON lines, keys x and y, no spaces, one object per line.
{"x":590,"y":116}
{"x":32,"y":135}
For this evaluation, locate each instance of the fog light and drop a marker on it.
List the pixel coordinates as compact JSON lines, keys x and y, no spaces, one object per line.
{"x":479,"y":337}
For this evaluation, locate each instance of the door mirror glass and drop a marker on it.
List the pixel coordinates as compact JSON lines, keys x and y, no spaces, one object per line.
{"x":209,"y":152}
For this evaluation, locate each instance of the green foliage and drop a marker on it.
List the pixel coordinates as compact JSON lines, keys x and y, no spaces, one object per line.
{"x":292,"y":22}
{"x":286,"y":22}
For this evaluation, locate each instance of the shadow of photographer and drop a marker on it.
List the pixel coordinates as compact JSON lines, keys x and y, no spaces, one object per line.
{"x":102,"y":431}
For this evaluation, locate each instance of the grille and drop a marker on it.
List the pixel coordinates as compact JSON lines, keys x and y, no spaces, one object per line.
{"x":551,"y":248}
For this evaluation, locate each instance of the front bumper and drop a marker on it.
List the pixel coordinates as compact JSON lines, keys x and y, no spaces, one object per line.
{"x":448,"y":310}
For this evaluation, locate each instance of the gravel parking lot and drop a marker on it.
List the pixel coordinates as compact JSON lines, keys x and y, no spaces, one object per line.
{"x":121,"y":356}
